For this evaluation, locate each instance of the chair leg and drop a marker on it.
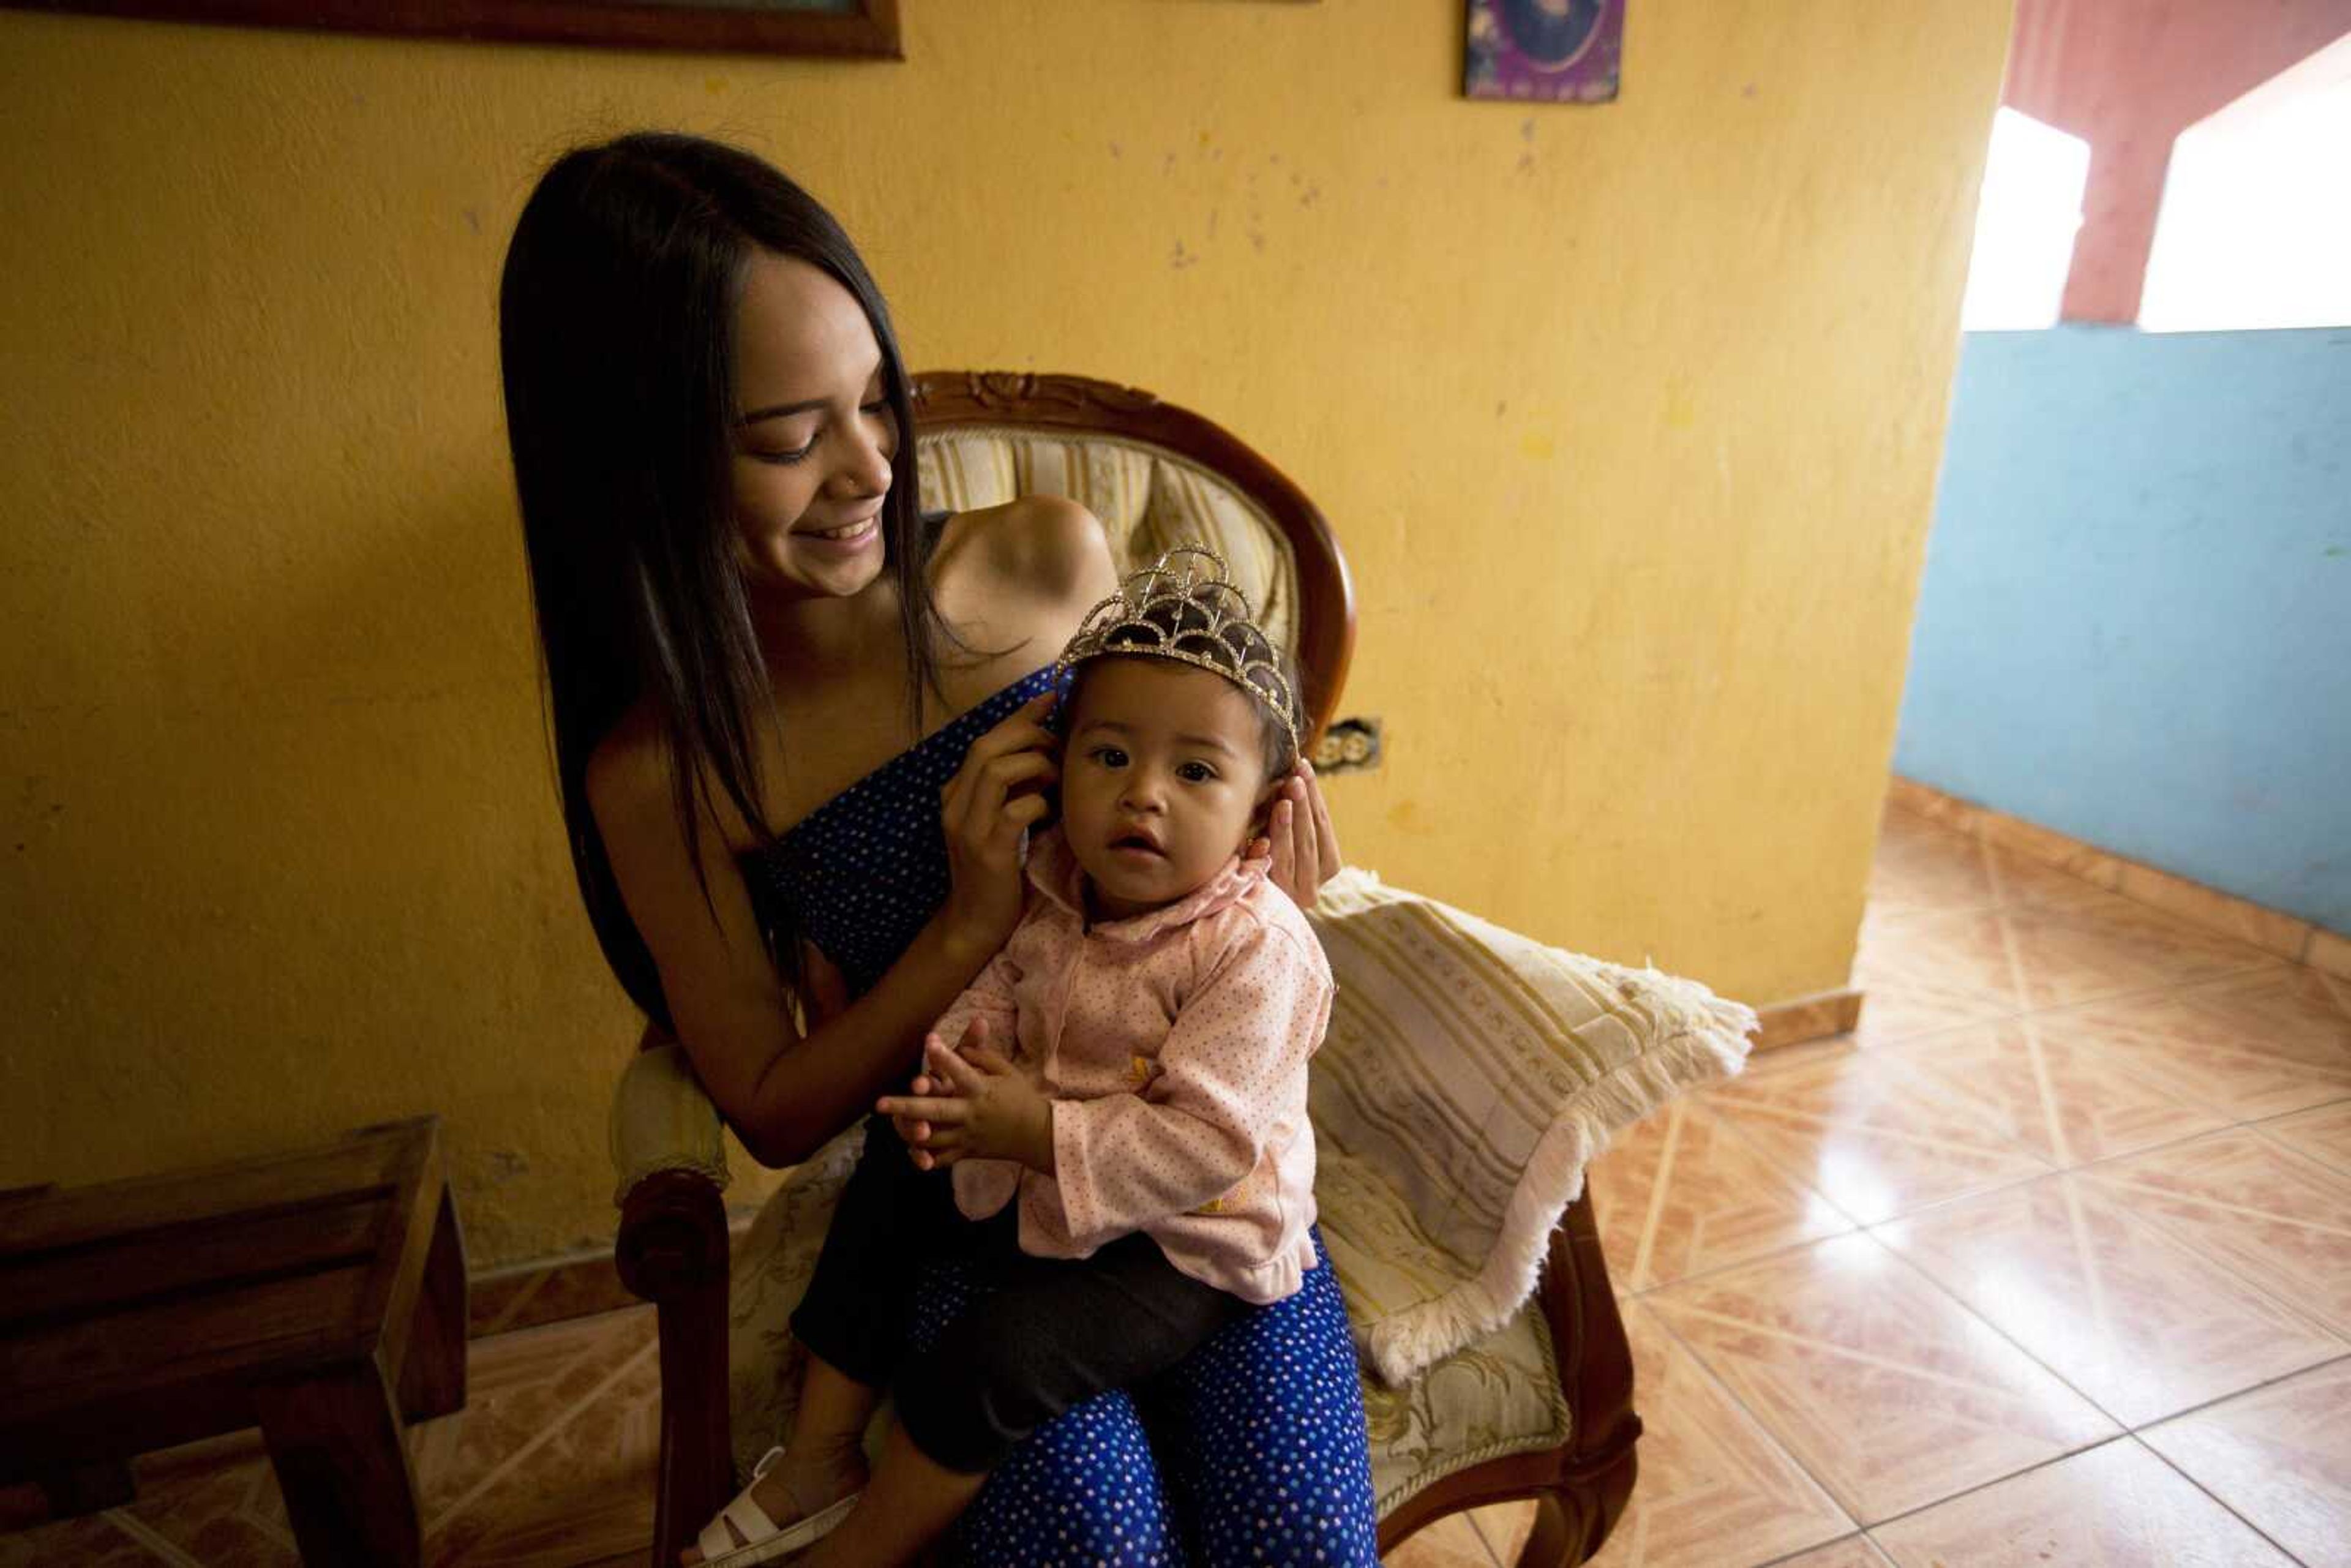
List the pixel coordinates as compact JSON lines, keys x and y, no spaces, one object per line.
{"x":433,"y":1374}
{"x":697,"y":1467}
{"x":1553,"y":1543}
{"x":334,"y":1438}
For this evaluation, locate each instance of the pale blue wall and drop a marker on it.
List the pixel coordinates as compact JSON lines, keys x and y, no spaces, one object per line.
{"x":2135,"y":621}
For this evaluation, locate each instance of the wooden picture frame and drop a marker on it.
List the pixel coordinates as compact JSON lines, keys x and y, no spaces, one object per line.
{"x":853,"y":29}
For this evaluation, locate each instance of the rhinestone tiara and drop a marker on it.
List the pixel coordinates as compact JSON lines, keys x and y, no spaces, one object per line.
{"x":1185,"y":606}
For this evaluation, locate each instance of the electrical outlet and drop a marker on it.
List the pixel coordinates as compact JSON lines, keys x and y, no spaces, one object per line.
{"x":1348,"y":746}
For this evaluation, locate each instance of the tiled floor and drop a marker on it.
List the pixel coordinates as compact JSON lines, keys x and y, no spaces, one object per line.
{"x":2048,"y":1264}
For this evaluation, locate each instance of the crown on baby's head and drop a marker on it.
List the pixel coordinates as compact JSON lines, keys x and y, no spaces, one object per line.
{"x":1185,"y":606}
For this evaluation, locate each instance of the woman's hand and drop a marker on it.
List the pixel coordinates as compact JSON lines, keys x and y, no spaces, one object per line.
{"x":996,"y":796}
{"x":1305,"y":846}
{"x":979,"y":1107}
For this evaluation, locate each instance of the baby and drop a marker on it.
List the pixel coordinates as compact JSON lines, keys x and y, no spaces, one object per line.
{"x":1123,"y":1112}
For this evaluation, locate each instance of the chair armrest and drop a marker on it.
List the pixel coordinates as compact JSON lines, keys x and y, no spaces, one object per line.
{"x":662,"y":1120}
{"x":669,"y":1154}
{"x":1587,"y":1336}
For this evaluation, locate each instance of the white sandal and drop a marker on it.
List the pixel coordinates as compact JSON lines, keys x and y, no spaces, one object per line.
{"x":764,"y":1541}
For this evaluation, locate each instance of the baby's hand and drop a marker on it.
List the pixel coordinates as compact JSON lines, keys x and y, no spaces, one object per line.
{"x":913,"y":1132}
{"x":978,"y":1105}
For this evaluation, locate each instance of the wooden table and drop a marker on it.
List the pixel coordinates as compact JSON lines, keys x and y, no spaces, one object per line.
{"x":320,"y":1296}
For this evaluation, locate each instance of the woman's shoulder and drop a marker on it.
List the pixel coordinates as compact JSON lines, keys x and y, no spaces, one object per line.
{"x":1045,"y":551}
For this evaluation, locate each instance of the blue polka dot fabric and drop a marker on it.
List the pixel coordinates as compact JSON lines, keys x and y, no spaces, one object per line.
{"x":1251,"y":1450}
{"x":862,"y":875}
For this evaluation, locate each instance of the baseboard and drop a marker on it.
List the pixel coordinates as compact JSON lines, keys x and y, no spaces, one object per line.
{"x":2271,"y":930}
{"x":1816,"y":1016}
{"x":556,"y":1289}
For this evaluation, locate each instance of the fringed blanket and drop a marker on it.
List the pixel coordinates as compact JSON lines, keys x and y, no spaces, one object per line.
{"x":1468,"y":1076}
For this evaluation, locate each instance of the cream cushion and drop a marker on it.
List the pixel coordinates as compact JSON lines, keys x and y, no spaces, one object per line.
{"x":1468,"y":1075}
{"x":662,"y":1121}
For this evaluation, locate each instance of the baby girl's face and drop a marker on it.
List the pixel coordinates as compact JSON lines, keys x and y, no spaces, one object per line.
{"x":1161,"y":780}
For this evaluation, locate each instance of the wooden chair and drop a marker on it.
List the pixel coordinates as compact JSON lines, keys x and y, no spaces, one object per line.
{"x":1156,"y":474}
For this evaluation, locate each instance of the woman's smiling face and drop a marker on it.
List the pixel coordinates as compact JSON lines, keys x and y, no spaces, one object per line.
{"x":1161,"y":780}
{"x":814,"y":438}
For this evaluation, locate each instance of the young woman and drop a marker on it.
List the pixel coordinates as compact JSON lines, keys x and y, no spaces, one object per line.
{"x":798,"y":733}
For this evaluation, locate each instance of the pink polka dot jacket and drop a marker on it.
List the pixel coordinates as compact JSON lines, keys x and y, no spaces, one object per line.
{"x":1173,"y":1046}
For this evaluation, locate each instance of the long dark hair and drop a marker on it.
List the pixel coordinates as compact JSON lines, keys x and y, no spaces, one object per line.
{"x":616,"y":338}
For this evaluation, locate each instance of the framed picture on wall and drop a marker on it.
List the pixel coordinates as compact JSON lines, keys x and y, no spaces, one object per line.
{"x":849,"y":27}
{"x":1551,"y":51}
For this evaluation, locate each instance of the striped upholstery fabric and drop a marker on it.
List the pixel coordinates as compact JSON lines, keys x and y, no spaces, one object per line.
{"x":1468,"y":1074}
{"x":1149,"y":500}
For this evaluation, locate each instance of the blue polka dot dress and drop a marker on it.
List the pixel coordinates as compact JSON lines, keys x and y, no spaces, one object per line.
{"x":1250,"y":1451}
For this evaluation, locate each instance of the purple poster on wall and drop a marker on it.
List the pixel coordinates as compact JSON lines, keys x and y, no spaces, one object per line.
{"x":1558,"y":51}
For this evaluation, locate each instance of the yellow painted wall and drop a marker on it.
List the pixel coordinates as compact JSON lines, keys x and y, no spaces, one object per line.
{"x":1628,"y":418}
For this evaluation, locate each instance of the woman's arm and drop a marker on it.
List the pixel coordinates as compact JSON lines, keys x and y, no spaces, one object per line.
{"x":785,"y":1095}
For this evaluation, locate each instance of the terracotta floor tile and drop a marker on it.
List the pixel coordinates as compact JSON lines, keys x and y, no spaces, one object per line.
{"x":217,"y":1507}
{"x":2116,"y":1506}
{"x":2024,"y":881}
{"x":2281,"y":1457}
{"x":2249,"y":1047}
{"x":1451,"y":1542}
{"x":1888,"y":1392}
{"x":210,"y":1502}
{"x":1923,"y":867}
{"x":1923,"y":973}
{"x":2059,"y":1088}
{"x":2284,"y":1222}
{"x":1504,"y":1528}
{"x":519,"y":1385}
{"x":1808,"y":1053}
{"x":2323,"y":1134}
{"x":2142,"y":1322}
{"x":1716,"y":1491}
{"x":583,"y":1485}
{"x":1853,"y":1551}
{"x":1680,"y":1194}
{"x":1873,"y":1134}
{"x":93,"y":1540}
{"x":2109,"y":946}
